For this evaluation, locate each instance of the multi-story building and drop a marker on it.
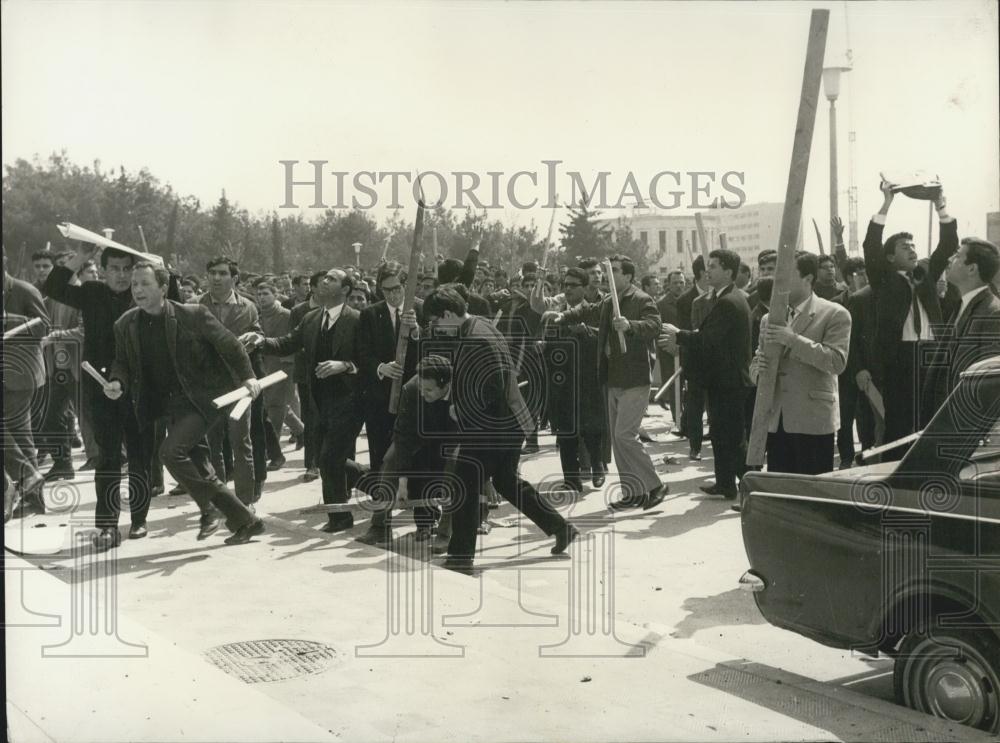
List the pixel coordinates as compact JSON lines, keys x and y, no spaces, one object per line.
{"x":672,"y":239}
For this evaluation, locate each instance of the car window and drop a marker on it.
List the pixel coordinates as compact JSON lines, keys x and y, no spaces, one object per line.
{"x":984,"y":461}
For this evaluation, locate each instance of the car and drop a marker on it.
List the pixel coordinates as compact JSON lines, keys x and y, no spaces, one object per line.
{"x":898,"y":558}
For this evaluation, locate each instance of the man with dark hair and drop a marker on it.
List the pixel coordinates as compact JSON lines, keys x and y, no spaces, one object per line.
{"x":174,"y":359}
{"x":279,"y":399}
{"x":743,"y":277}
{"x":302,"y":377}
{"x":625,"y":374}
{"x":973,"y":331}
{"x":907,"y":307}
{"x":690,"y":313}
{"x":767,"y":261}
{"x":23,"y":377}
{"x":805,"y":412}
{"x":722,"y":346}
{"x":827,"y":286}
{"x":246,"y":436}
{"x":593,"y":268}
{"x":573,"y":394}
{"x":329,"y":337}
{"x":491,"y":419}
{"x":667,"y":307}
{"x":650,"y":284}
{"x":42,"y":262}
{"x":452,"y":270}
{"x":378,"y":334}
{"x":300,"y":291}
{"x":101,"y":304}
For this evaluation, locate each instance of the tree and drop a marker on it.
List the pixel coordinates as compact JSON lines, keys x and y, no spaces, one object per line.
{"x":583,"y":236}
{"x":277,"y":254}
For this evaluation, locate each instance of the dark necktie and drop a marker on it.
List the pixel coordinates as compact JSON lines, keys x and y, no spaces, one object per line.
{"x":916,"y":309}
{"x":326,"y":322}
{"x":395,"y":322}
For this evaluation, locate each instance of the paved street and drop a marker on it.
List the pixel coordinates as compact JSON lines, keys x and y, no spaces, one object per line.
{"x":640,"y":634}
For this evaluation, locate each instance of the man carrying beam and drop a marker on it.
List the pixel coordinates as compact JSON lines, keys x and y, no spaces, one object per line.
{"x":173,"y":359}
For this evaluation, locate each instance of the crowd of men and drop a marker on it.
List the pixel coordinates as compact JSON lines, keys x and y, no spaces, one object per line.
{"x":490,"y":359}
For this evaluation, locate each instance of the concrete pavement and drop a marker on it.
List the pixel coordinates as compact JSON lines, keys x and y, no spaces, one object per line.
{"x":639,"y":634}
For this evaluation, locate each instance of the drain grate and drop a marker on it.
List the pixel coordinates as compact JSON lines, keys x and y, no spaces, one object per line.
{"x":255,"y":661}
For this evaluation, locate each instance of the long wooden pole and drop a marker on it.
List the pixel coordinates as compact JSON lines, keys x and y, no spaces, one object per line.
{"x":791,"y":220}
{"x":705,"y":249}
{"x":402,"y":343}
{"x":614,"y":301}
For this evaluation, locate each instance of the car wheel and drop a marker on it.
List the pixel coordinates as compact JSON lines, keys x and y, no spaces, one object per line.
{"x":954,"y":675}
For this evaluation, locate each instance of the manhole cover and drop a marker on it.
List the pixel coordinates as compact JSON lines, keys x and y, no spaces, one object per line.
{"x":255,"y":661}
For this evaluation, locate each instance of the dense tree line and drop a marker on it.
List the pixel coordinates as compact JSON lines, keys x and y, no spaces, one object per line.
{"x":38,"y":194}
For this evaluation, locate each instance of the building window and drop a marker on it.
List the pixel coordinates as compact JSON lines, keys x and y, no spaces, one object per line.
{"x":680,"y":241}
{"x":663,"y":240}
{"x":644,"y":237}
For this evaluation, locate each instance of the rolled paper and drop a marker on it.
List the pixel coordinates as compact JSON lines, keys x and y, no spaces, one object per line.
{"x":86,"y":366}
{"x":240,"y":392}
{"x":240,"y":407}
{"x":22,"y":328}
{"x":875,"y":451}
{"x":368,"y":504}
{"x":496,"y":320}
{"x":875,"y":398}
{"x":523,"y":384}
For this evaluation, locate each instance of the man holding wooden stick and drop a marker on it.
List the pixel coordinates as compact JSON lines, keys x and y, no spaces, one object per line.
{"x":624,"y":368}
{"x":173,"y":359}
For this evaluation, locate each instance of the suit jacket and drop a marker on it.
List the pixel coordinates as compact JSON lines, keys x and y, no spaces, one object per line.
{"x":300,"y":375}
{"x":972,"y":336}
{"x":633,"y":368}
{"x":805,"y":396}
{"x":66,"y":336}
{"x":487,"y":400}
{"x":377,"y":345}
{"x":343,"y":390}
{"x":892,"y":292}
{"x":208,"y":359}
{"x":23,"y":366}
{"x":863,"y":352}
{"x":276,"y":323}
{"x":419,"y":433}
{"x":722,"y":342}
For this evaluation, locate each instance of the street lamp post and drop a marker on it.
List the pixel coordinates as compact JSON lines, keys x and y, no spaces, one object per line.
{"x":357,"y":254}
{"x":831,"y":87}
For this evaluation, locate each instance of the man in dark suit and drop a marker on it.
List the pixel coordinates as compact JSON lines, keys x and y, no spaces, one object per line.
{"x":423,"y":433}
{"x":492,"y":420}
{"x":722,"y":344}
{"x":451,"y":270}
{"x":100,"y":305}
{"x":907,"y":307}
{"x":625,"y":376}
{"x":23,"y":377}
{"x":667,"y":307}
{"x":301,"y":375}
{"x":329,"y":337}
{"x":173,"y":360}
{"x":692,"y":416}
{"x":378,"y":334}
{"x":973,"y":332}
{"x":573,"y":394}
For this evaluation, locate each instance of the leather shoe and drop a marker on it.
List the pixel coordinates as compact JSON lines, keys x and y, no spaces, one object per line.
{"x":77,"y":442}
{"x":458,"y":564}
{"x":564,"y":538}
{"x":716,"y":490}
{"x":695,"y":455}
{"x":246,"y":532}
{"x":629,"y":501}
{"x":655,"y":496}
{"x":597,"y":480}
{"x":646,"y":438}
{"x":60,"y":471}
{"x":372,"y":537}
{"x":90,"y":464}
{"x":485,"y":527}
{"x":275,"y":464}
{"x":137,"y":531}
{"x":108,"y":538}
{"x":178,"y":490}
{"x":422,"y":534}
{"x":332,"y":527}
{"x":209,"y":525}
{"x":311,"y":474}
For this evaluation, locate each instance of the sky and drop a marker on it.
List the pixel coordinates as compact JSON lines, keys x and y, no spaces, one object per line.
{"x":212,"y":95}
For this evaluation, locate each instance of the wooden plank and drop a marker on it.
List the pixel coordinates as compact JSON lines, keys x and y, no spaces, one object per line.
{"x":409,"y":299}
{"x":701,"y":236}
{"x":791,"y":219}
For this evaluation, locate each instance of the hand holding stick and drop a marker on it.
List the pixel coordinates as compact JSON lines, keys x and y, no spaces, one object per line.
{"x":240,"y":392}
{"x":25,"y":327}
{"x":614,"y":301}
